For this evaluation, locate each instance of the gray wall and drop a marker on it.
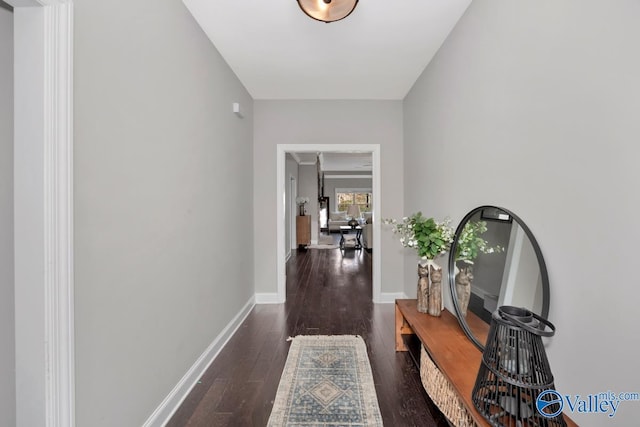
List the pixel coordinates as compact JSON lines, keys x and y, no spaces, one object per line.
{"x":352,"y":122}
{"x":291,"y":170}
{"x":308,"y":187}
{"x":7,"y":321}
{"x":163,"y":203}
{"x":534,"y":106}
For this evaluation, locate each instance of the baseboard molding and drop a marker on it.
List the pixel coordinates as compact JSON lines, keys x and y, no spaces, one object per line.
{"x":172,"y":402}
{"x":268,"y":298}
{"x":391,"y":297}
{"x":286,"y":258}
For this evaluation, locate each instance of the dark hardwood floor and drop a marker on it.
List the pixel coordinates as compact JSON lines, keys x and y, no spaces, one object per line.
{"x":328,"y":293}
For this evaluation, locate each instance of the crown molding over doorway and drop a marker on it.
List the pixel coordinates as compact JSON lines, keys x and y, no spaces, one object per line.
{"x":43,"y":206}
{"x":282,"y":150}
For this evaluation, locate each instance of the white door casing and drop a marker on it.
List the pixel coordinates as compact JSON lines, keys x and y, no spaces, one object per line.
{"x":43,"y":203}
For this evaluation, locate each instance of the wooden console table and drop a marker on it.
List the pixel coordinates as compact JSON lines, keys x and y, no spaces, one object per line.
{"x":303,"y":230}
{"x":453,"y":355}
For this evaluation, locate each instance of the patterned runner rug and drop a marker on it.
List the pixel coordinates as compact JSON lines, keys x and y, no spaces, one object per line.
{"x":323,"y":246}
{"x":326,"y":381}
{"x":324,"y":239}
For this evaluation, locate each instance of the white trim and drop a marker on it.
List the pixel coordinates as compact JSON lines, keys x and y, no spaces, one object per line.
{"x":59,"y":293}
{"x":45,"y":376}
{"x":377,"y":233}
{"x":391,"y":297}
{"x":295,"y":157}
{"x":281,"y":151}
{"x":172,"y":402}
{"x":299,"y":161}
{"x":268,"y":298}
{"x":347,"y":176}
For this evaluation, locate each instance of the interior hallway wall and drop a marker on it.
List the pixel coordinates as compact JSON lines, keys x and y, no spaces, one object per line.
{"x":351,"y":122}
{"x":533,"y":106}
{"x":291,"y":171}
{"x":308,"y":187}
{"x":7,"y":318}
{"x":163,"y":203}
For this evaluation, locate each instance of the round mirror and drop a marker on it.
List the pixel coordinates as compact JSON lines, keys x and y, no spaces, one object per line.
{"x":495,"y":261}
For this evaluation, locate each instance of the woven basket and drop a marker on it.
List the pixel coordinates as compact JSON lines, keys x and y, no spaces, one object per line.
{"x":442,"y":394}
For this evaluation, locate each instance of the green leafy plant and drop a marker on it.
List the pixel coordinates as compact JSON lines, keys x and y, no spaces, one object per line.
{"x":470,"y":242}
{"x":428,"y":237}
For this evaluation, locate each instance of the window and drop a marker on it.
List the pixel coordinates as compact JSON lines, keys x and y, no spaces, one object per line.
{"x":349,"y":196}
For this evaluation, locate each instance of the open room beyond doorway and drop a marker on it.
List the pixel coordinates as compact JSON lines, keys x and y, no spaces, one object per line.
{"x":281,"y":191}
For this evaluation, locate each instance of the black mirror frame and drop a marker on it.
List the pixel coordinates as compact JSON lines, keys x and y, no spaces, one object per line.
{"x":452,"y":265}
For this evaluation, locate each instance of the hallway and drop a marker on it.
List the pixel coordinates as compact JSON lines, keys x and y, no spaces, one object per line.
{"x":328,"y":293}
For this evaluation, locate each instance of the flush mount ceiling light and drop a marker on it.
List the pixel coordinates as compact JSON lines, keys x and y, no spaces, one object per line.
{"x":327,"y":10}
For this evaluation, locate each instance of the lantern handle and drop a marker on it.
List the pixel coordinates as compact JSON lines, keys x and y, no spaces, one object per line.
{"x":537,"y":331}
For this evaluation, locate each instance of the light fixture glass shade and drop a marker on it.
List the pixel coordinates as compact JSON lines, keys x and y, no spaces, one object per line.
{"x":328,"y":10}
{"x":353,"y":211}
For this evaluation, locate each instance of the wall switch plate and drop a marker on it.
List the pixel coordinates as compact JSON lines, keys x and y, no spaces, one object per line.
{"x":237,"y":110}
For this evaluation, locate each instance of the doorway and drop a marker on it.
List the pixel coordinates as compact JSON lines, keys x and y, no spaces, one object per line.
{"x":282,"y":150}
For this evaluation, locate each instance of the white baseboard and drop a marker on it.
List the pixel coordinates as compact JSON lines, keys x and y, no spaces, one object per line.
{"x":391,"y":297}
{"x":268,"y":298}
{"x":288,"y":256}
{"x":172,"y":402}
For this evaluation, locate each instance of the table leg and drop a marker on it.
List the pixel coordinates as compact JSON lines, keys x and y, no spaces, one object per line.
{"x":402,"y":328}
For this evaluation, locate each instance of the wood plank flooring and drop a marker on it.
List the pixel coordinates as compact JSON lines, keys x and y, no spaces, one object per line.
{"x":328,"y":293}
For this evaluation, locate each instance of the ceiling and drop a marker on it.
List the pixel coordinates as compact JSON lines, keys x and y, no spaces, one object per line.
{"x":278,"y":52}
{"x":337,"y":162}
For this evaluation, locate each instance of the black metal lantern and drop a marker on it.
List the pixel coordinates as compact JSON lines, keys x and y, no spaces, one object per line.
{"x":515,"y":371}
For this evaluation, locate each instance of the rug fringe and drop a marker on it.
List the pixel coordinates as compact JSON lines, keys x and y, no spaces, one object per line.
{"x":290,"y":338}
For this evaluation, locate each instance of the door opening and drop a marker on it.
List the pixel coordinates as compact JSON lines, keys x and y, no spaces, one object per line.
{"x":281,"y":190}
